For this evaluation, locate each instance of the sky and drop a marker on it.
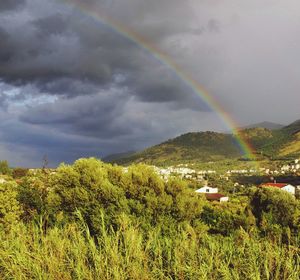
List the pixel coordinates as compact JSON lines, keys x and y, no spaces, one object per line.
{"x":72,"y":86}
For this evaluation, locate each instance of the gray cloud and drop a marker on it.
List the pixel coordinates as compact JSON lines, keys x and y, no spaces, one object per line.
{"x":72,"y":83}
{"x":63,"y":57}
{"x":8,"y":5}
{"x":95,"y":116}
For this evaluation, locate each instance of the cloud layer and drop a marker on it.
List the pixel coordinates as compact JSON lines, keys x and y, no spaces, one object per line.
{"x":72,"y":85}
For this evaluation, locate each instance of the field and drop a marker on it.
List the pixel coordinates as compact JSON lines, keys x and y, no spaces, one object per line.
{"x":71,"y":253}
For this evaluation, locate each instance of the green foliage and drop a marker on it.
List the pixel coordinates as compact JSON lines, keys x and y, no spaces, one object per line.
{"x":4,"y":168}
{"x":92,"y":187}
{"x":227,"y":219}
{"x":32,"y":194}
{"x":276,"y":211}
{"x":85,"y":187}
{"x":70,"y":252}
{"x":19,"y":172}
{"x":285,"y":142}
{"x":9,"y":206}
{"x":92,"y":220}
{"x":204,"y":146}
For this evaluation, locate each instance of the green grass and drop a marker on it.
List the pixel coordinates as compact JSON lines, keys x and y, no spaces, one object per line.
{"x":71,"y":253}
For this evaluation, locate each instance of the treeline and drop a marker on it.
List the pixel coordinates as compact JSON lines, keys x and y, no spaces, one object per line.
{"x":92,"y":220}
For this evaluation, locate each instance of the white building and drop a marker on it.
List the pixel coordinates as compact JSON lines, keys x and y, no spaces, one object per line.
{"x":207,"y":189}
{"x":283,"y":186}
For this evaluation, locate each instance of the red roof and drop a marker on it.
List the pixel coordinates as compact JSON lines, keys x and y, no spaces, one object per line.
{"x":276,"y":185}
{"x":214,"y":196}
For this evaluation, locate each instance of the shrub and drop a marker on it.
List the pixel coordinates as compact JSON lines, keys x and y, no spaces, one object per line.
{"x":9,"y":206}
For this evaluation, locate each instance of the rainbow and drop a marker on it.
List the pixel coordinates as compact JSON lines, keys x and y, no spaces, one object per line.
{"x":95,"y":14}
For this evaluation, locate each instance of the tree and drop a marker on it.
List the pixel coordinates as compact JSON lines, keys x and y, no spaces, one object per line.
{"x":85,"y":187}
{"x":45,"y":162}
{"x":32,"y":194}
{"x":274,"y":209}
{"x":4,"y":168}
{"x":19,"y":172}
{"x":9,"y":206}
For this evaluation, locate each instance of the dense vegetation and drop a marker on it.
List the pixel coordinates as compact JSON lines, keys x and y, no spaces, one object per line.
{"x":92,"y":220}
{"x":212,"y":146}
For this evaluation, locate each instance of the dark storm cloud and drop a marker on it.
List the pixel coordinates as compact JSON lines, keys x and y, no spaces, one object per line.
{"x":50,"y":52}
{"x":33,"y":143}
{"x":64,"y":59}
{"x":68,"y":86}
{"x":63,"y":56}
{"x":8,"y":5}
{"x":96,"y":116}
{"x":3,"y":100}
{"x":55,"y":24}
{"x":72,"y":83}
{"x":7,"y":47}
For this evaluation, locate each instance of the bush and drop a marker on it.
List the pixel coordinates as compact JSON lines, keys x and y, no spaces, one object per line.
{"x":4,"y":168}
{"x":19,"y":172}
{"x":9,"y":206}
{"x":274,"y":210}
{"x":93,"y":187}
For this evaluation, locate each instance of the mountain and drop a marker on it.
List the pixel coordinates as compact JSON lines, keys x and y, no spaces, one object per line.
{"x":267,"y":125}
{"x":118,"y":156}
{"x":213,"y":146}
{"x":285,"y":142}
{"x":293,"y":127}
{"x":205,"y":146}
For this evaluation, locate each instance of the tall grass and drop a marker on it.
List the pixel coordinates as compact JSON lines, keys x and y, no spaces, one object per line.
{"x":69,"y":252}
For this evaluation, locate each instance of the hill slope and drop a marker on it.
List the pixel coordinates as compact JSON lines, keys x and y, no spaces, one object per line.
{"x":113,"y":157}
{"x":285,"y":142}
{"x":213,"y":146}
{"x":204,"y":146}
{"x":268,"y":125}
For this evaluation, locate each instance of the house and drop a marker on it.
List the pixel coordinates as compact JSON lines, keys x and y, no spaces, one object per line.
{"x":216,"y":197}
{"x":207,"y":189}
{"x":212,"y":194}
{"x":283,"y":186}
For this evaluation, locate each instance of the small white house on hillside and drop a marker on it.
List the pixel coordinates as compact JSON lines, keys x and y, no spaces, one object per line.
{"x":207,"y":189}
{"x":283,"y":186}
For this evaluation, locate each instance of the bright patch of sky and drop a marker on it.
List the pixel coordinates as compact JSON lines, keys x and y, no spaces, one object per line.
{"x":16,"y":97}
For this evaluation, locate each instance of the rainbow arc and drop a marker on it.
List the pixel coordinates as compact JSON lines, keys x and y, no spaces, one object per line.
{"x":86,"y":9}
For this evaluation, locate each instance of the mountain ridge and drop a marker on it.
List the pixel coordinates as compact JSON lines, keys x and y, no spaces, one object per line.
{"x":213,"y":146}
{"x":265,"y":124}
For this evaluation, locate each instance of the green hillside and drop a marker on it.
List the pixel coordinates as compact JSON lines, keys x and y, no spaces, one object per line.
{"x":213,"y":146}
{"x":284,"y":143}
{"x":204,"y":146}
{"x":268,"y":125}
